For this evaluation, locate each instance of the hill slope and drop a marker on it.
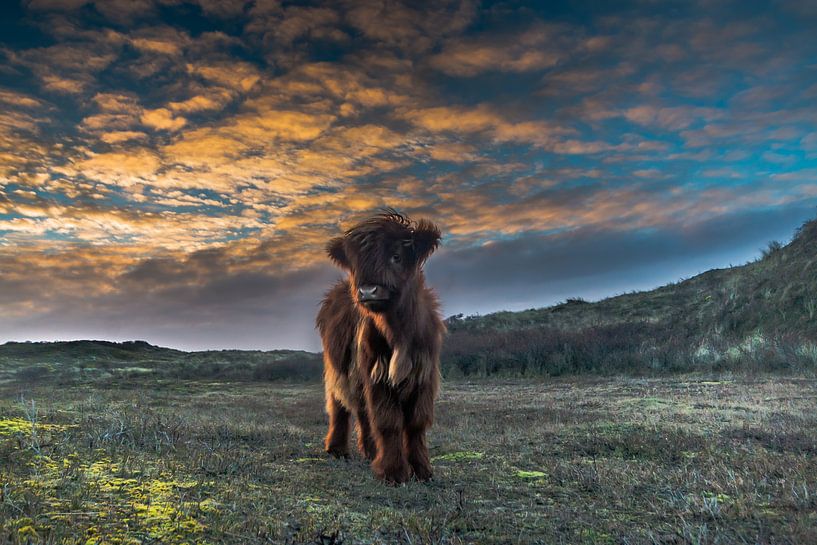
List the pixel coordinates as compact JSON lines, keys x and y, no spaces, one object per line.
{"x":762,"y":314}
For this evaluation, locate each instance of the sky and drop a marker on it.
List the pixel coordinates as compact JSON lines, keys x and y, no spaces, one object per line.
{"x":171,"y":170}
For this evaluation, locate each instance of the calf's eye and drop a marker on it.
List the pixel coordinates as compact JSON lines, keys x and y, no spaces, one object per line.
{"x":395,"y":258}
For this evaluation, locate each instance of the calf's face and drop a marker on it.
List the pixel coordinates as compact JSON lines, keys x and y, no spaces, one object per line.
{"x":383,"y":255}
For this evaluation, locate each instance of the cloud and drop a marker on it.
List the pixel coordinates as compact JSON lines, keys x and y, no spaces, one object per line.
{"x":202,"y":103}
{"x":407,"y":27}
{"x":14,"y":98}
{"x":60,"y":5}
{"x":539,"y":47}
{"x":293,"y":22}
{"x":59,"y":84}
{"x":115,"y":102}
{"x":671,"y":118}
{"x":68,"y":67}
{"x":121,"y":168}
{"x":222,"y":8}
{"x":157,"y":45}
{"x":118,"y":11}
{"x":162,"y":119}
{"x":240,"y":76}
{"x":119,"y":137}
{"x":484,"y":119}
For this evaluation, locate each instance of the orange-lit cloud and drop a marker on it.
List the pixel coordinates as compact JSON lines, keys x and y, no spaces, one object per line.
{"x":162,"y":119}
{"x":536,"y":48}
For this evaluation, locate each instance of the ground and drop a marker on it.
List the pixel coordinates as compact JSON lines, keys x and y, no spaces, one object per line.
{"x":674,"y":460}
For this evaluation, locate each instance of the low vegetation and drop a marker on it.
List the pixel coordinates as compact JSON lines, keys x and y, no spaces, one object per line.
{"x":103,"y":361}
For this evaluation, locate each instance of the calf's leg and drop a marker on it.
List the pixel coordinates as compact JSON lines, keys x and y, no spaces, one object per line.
{"x":418,"y":413}
{"x":386,"y":422}
{"x":365,"y":440}
{"x":337,"y":438}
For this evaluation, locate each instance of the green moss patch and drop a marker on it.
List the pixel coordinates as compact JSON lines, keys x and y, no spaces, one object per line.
{"x":112,"y":504}
{"x":524,"y":474}
{"x":459,"y":456}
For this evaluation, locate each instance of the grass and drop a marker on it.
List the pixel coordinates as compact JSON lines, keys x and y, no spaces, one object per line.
{"x":669,"y":460}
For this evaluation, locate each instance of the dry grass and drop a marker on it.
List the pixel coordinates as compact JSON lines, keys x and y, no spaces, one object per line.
{"x":571,"y":461}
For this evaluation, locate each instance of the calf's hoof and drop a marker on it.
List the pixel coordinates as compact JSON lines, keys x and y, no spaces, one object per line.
{"x":393,"y":473}
{"x":338,"y":451}
{"x":368,"y":452}
{"x":422,"y":472}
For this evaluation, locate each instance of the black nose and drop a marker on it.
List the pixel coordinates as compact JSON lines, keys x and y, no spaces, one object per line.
{"x":369,"y":292}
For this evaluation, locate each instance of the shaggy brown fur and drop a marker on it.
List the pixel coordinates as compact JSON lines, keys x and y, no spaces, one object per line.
{"x":381,"y":333}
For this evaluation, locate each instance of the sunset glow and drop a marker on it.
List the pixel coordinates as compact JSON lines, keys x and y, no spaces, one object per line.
{"x":171,"y":170}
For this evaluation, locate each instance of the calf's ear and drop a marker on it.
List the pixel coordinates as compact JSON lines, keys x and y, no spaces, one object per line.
{"x":337,"y":252}
{"x":426,"y":239}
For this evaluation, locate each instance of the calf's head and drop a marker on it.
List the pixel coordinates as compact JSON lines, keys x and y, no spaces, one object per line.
{"x":384,"y":256}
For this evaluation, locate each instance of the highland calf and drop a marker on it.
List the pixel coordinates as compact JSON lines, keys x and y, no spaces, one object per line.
{"x":381,"y":334}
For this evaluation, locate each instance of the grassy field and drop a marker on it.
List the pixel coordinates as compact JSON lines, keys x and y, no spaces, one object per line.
{"x":675,"y":460}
